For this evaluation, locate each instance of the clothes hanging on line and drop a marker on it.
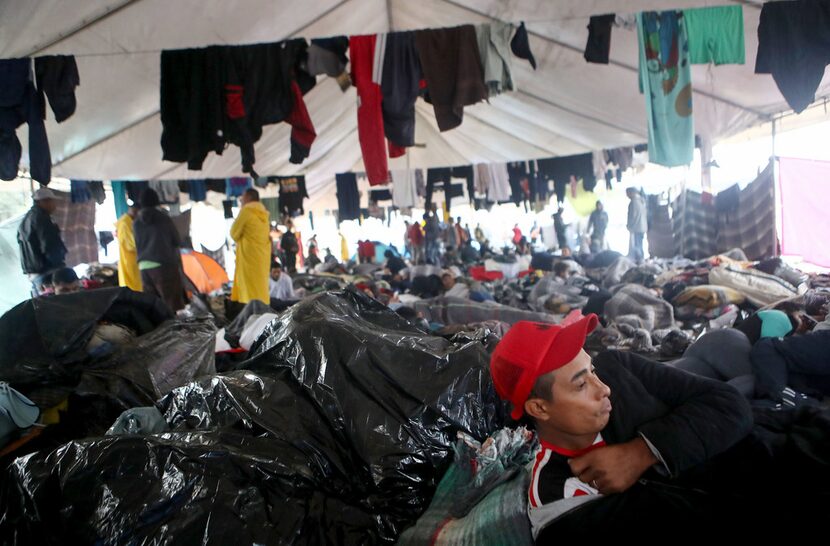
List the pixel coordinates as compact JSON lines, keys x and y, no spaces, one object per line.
{"x":380,"y":194}
{"x":167,"y":190}
{"x":79,"y":191}
{"x":452,"y":68}
{"x":292,"y":193}
{"x":496,"y":59}
{"x":23,"y":94}
{"x":327,"y":56}
{"x":119,"y":196}
{"x":598,"y":48}
{"x":794,"y":47}
{"x":716,"y":35}
{"x":403,"y":188}
{"x":236,"y":186}
{"x":466,"y":172}
{"x":197,"y":190}
{"x":366,"y":56}
{"x":666,"y":82}
{"x":348,"y":198}
{"x":400,"y":85}
{"x":226,"y":94}
{"x":561,"y":169}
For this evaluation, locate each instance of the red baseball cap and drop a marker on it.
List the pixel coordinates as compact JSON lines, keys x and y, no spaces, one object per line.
{"x":531,"y":349}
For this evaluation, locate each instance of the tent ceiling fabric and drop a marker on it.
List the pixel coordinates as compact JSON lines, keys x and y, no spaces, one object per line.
{"x":567,"y":106}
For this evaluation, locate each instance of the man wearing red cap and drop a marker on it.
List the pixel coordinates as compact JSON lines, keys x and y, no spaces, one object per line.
{"x":607,"y":423}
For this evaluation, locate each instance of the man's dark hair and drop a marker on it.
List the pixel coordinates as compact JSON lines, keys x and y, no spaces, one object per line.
{"x":64,"y":275}
{"x":388,"y":254}
{"x":542,"y":387}
{"x":252,"y":194}
{"x":560,"y":267}
{"x":149,"y":199}
{"x":407,"y":312}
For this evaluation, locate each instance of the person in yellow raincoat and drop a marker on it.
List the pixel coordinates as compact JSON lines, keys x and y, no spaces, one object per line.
{"x":251,"y":231}
{"x":128,"y":273}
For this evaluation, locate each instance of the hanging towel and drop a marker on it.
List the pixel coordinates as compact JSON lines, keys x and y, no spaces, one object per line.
{"x":403,"y":188}
{"x":666,"y":81}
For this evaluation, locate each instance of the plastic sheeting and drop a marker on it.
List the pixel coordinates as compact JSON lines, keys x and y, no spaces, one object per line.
{"x":337,"y":432}
{"x":140,"y":373}
{"x":41,"y":338}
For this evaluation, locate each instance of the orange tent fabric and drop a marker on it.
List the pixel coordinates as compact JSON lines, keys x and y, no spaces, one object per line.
{"x":203,"y":271}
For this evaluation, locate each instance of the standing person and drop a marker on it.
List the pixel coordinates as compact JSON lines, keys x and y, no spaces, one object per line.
{"x":560,"y":228}
{"x":432,"y":231}
{"x":157,"y":246}
{"x":290,"y":247}
{"x":128,"y":272}
{"x":407,"y":243}
{"x":416,"y":240}
{"x":463,"y":232}
{"x":517,"y":234}
{"x":450,"y":239}
{"x":251,"y":232}
{"x":597,"y":223}
{"x":637,"y":224}
{"x":42,"y":251}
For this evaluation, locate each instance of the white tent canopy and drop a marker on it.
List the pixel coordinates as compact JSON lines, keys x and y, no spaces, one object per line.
{"x":566,"y":106}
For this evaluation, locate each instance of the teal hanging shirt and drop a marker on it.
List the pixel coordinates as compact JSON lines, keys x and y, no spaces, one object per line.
{"x":666,"y":81}
{"x":716,"y":35}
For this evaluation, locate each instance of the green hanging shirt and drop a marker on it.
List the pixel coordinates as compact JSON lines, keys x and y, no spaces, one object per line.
{"x":716,"y":35}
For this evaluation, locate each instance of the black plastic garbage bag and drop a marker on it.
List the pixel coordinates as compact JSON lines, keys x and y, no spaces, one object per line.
{"x":398,"y":396}
{"x":218,"y":487}
{"x":138,"y":374}
{"x":41,"y":338}
{"x":337,"y":432}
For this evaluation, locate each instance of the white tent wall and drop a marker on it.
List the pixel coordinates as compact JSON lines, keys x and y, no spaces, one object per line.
{"x":566,"y":106}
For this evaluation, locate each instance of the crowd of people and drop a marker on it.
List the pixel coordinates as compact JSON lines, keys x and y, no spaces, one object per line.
{"x":681,"y":355}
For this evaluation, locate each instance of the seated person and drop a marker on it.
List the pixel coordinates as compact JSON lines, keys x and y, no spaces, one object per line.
{"x":453,"y":288}
{"x":394,"y":263}
{"x":281,"y":287}
{"x":65,"y":281}
{"x":612,"y":430}
{"x":562,"y":270}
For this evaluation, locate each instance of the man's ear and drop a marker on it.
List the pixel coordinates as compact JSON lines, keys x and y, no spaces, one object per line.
{"x":537,"y":408}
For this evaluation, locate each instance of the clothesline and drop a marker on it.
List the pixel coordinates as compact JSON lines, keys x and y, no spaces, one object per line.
{"x":159,"y":50}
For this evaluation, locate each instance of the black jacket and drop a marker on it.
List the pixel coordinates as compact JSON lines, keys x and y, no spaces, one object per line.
{"x":688,"y":419}
{"x":41,"y":247}
{"x":156,"y":237}
{"x":801,"y":362}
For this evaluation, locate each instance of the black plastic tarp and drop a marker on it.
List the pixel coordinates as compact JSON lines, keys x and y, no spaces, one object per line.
{"x":336,"y":431}
{"x":41,"y":338}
